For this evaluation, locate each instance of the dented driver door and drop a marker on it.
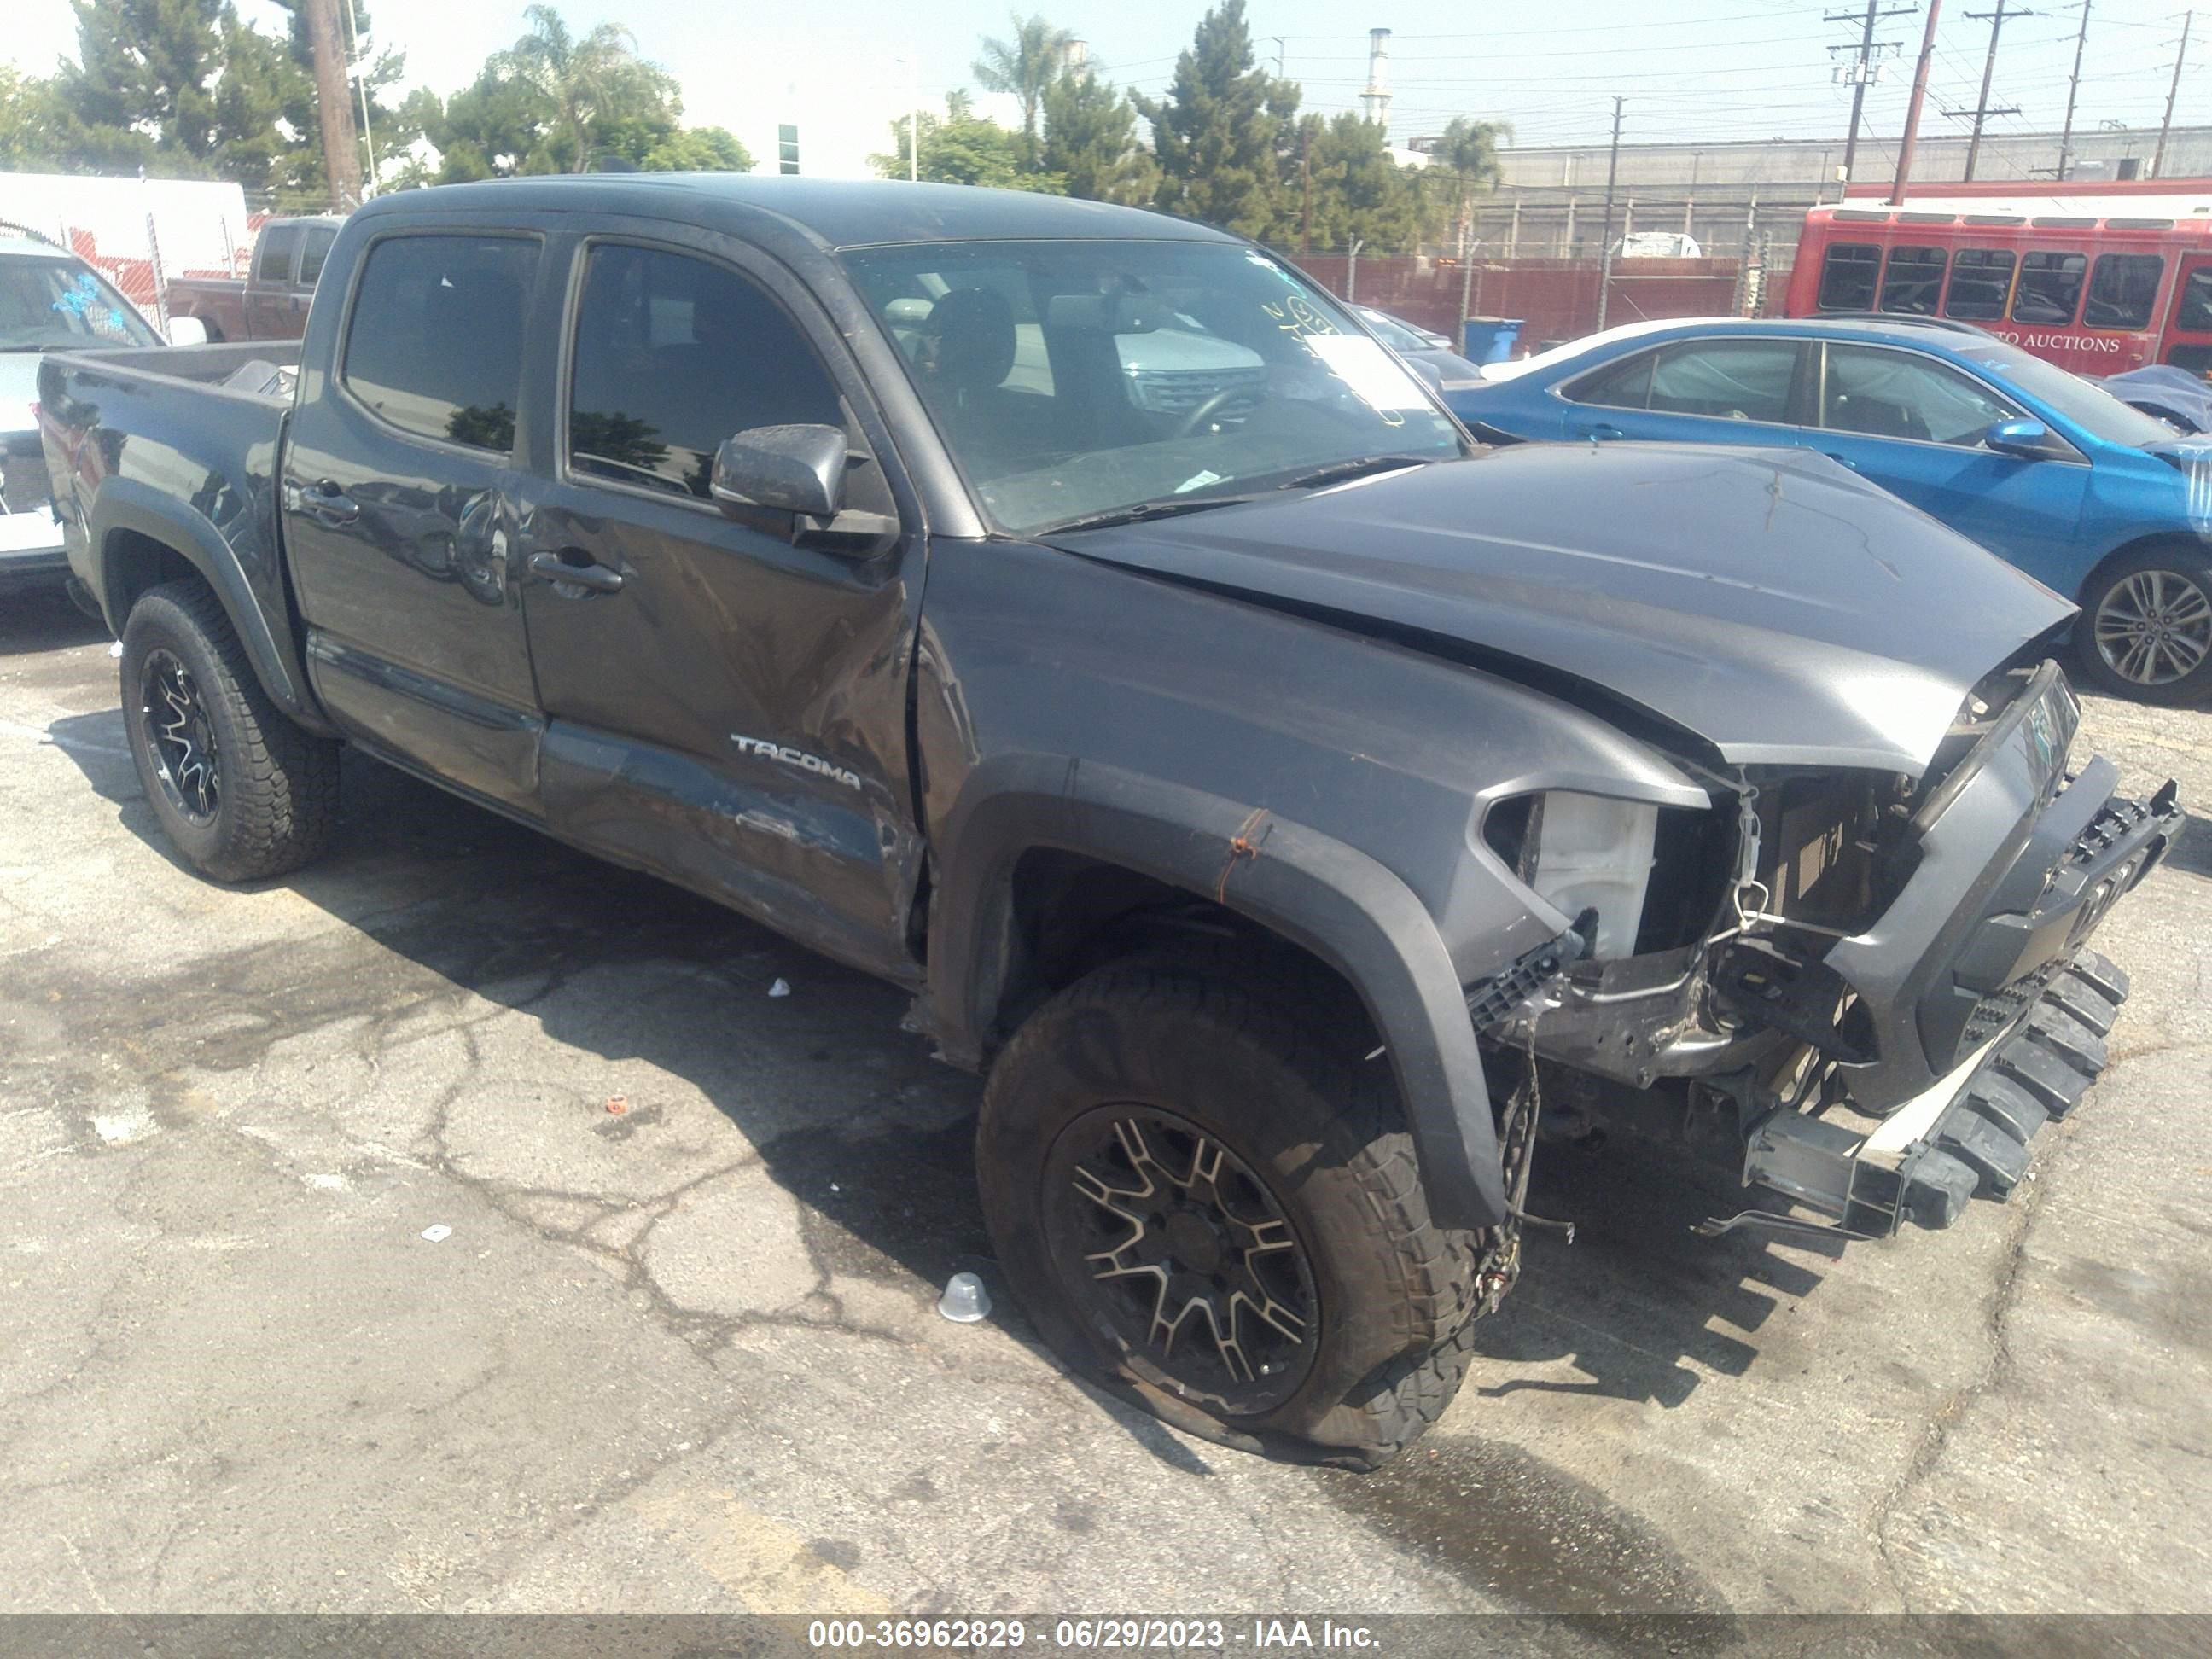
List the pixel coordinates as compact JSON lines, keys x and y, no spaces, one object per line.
{"x":725,"y":700}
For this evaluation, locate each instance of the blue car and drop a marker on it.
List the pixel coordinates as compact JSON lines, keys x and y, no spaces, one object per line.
{"x":2100,"y":502}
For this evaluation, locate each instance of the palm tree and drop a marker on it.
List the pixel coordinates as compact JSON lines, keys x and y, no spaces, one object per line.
{"x":1469,"y":153}
{"x":1024,"y":66}
{"x":575,"y":76}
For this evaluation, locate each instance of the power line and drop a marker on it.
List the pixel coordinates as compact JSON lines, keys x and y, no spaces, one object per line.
{"x":2073,"y":89}
{"x":1982,"y":111}
{"x":2158,"y":161}
{"x":1864,"y":69}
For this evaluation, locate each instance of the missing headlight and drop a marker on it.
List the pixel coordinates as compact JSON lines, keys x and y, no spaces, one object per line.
{"x":1654,"y":875}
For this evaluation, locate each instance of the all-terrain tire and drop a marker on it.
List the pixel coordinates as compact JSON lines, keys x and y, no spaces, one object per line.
{"x":276,"y":785}
{"x":1275,"y":1078}
{"x":2166,"y":586}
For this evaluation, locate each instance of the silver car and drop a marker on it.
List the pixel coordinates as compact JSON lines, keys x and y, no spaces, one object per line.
{"x":49,"y":299}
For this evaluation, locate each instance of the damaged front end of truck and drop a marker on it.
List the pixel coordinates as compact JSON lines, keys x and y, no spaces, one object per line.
{"x":1875,"y":986}
{"x":1844,"y":935}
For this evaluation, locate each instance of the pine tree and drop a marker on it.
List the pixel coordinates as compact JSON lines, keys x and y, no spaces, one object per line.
{"x":1215,"y":134}
{"x":1090,"y":140}
{"x":1359,"y":193}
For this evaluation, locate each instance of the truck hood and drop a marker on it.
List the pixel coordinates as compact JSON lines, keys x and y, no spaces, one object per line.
{"x":1768,"y":601}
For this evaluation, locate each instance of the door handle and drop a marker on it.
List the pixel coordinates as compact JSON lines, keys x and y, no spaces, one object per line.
{"x":1600,"y":431}
{"x":553,"y":567}
{"x":326,"y":502}
{"x":1842,"y":460}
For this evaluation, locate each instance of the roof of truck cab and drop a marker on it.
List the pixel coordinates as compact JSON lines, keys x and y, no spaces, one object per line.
{"x":839,"y":213}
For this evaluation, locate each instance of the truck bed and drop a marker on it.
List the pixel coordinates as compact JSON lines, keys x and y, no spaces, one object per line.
{"x":206,"y":370}
{"x":175,"y":442}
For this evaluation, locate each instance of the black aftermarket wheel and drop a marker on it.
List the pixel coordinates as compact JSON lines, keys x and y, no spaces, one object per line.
{"x":242,"y":791}
{"x":1180,"y":1256}
{"x":1204,"y":1200}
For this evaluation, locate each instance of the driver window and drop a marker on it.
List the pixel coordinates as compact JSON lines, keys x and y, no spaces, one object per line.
{"x":1894,"y":394}
{"x":672,"y":356}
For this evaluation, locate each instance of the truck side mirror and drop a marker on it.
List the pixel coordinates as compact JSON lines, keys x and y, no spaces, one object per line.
{"x":187,"y":332}
{"x":785,"y":469}
{"x":2029,"y":440}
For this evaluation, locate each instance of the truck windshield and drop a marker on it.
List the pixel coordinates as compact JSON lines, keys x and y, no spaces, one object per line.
{"x":55,"y":302}
{"x":1072,"y":380}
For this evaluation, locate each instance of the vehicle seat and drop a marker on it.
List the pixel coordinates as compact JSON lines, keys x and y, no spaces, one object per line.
{"x":1878,"y":417}
{"x":968,"y":348}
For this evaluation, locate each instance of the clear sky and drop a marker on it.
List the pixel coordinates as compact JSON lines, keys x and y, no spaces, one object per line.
{"x":1690,"y":69}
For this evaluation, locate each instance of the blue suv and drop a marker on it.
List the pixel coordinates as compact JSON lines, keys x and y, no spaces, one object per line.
{"x":2099,"y":500}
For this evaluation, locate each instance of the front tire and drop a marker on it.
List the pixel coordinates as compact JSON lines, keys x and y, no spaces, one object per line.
{"x":2146,"y":626}
{"x":243,"y":793}
{"x":1208,"y":1204}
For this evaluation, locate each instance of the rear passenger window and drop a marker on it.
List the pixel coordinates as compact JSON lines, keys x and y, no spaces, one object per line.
{"x":272,"y":257}
{"x":434,"y":346}
{"x":1912,"y":281}
{"x":1624,"y":386}
{"x":1981,"y":281}
{"x":672,"y":356}
{"x":2122,"y":290}
{"x":2049,"y":288}
{"x":313,"y":252}
{"x":1847,"y":277}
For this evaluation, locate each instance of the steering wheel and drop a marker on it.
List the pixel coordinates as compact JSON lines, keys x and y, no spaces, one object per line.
{"x":1211,"y":406}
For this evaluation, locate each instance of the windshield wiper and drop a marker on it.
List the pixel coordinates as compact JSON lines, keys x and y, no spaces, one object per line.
{"x":1344,"y":471}
{"x":1142,"y":512}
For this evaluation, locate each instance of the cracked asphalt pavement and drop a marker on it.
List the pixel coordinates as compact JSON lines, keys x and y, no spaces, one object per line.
{"x":684,"y":1355}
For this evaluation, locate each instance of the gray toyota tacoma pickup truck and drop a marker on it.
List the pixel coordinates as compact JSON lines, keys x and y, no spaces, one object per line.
{"x":1075,"y":617}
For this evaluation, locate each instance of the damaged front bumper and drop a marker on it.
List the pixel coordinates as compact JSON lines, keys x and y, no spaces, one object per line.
{"x":1968,"y":1135}
{"x":1987,"y":1011}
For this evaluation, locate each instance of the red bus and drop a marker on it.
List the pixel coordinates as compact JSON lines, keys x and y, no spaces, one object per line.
{"x":2098,"y":279}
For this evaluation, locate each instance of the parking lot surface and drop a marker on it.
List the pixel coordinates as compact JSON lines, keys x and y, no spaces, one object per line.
{"x":462,"y":1225}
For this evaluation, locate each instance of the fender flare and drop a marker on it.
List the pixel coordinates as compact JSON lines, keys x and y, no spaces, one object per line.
{"x":126,"y":504}
{"x":1329,"y":898}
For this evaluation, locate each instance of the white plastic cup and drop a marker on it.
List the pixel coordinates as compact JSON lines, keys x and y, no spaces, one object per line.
{"x":965,"y":1301}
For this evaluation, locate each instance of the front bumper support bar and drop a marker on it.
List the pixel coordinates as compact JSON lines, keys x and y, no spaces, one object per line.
{"x":1967,"y":1136}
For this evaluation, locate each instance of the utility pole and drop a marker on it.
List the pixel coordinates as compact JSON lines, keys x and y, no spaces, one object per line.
{"x":2158,"y":161}
{"x":360,"y":85}
{"x":1605,"y":239}
{"x":1912,"y":108}
{"x":1305,"y":188}
{"x":1982,"y":111}
{"x":1281,"y":42}
{"x":2073,"y":89}
{"x":1862,"y":69}
{"x":334,"y":104}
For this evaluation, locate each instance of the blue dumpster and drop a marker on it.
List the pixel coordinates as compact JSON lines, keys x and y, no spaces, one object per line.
{"x":1491,"y":339}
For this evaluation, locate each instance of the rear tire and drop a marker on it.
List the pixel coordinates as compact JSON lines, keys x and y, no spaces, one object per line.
{"x":243,"y":793}
{"x":2145,"y":630}
{"x":1162,"y":1146}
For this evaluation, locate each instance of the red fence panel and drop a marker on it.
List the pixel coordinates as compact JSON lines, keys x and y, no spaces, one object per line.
{"x":1555,"y":298}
